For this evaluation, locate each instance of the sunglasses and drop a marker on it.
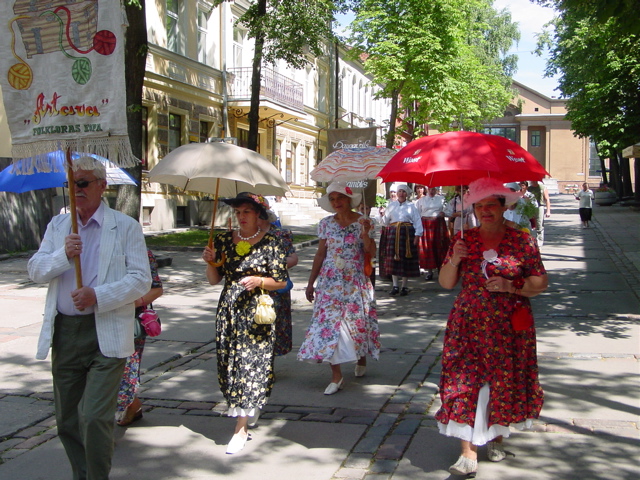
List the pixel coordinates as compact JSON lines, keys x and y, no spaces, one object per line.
{"x":81,"y":183}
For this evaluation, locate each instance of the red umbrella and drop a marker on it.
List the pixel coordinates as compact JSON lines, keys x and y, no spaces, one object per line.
{"x":458,"y":158}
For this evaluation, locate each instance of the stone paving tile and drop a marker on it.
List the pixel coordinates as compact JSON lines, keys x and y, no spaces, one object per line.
{"x":350,"y":474}
{"x":197,"y":405}
{"x":358,"y":460}
{"x":383,"y":466}
{"x":35,"y":441}
{"x":393,"y":447}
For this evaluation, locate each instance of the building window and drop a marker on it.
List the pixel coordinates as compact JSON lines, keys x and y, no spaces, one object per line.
{"x":535,"y":138}
{"x":175,"y":131}
{"x":238,"y":41}
{"x":145,"y":138}
{"x":595,"y":167}
{"x":204,"y":131}
{"x":203,"y":15}
{"x":172,"y":25}
{"x":507,"y":132}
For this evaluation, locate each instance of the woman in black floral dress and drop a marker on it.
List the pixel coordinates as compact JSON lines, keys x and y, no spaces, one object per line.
{"x":249,"y":260}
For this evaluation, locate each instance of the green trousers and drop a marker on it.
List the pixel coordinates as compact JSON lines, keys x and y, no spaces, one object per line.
{"x":85,"y":387}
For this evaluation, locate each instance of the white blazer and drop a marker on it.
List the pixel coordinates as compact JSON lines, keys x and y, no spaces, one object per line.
{"x":124,"y":275}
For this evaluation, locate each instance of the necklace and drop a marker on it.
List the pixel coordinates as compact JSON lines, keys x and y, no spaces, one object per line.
{"x":249,"y":238}
{"x":243,"y":246}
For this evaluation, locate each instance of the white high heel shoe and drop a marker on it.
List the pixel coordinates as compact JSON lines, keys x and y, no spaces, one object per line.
{"x":360,"y":370}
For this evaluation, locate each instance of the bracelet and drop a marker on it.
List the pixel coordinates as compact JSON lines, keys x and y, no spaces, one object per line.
{"x":454,"y":264}
{"x":262,"y":282}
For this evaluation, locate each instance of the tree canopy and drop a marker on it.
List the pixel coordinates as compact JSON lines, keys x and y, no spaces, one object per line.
{"x":444,"y":60}
{"x":598,"y":63}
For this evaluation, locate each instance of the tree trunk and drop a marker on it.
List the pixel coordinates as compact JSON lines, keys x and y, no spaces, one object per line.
{"x":614,"y":174}
{"x":135,"y":57}
{"x":625,"y":173}
{"x":636,"y":167}
{"x":256,"y":79}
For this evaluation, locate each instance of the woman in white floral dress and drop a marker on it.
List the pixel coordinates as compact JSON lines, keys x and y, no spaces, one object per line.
{"x":344,"y":324}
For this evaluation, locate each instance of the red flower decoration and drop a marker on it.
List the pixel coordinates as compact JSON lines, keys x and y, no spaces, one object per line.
{"x":348,"y":190}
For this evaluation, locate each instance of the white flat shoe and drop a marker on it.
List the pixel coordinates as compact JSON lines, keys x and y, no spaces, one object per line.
{"x":360,"y":370}
{"x":334,"y":387}
{"x":237,"y":443}
{"x":464,"y":466}
{"x":495,"y":451}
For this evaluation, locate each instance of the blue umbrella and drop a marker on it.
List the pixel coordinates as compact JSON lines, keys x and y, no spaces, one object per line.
{"x":10,"y":182}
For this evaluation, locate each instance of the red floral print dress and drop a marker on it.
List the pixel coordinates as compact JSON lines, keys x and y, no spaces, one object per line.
{"x":480,"y":344}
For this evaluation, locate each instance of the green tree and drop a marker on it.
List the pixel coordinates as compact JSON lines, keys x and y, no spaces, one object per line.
{"x":128,"y":199}
{"x":598,"y":64}
{"x":442,"y":61}
{"x":288,"y":30}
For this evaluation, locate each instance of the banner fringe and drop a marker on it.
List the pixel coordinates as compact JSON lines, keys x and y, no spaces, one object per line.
{"x":34,"y":156}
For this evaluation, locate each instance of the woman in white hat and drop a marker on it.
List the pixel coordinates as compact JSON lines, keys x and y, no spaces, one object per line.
{"x":403,"y":227}
{"x":344,"y":323}
{"x":489,"y":378}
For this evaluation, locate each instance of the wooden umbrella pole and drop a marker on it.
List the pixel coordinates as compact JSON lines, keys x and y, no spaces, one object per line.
{"x":213,"y":222}
{"x":74,"y":216}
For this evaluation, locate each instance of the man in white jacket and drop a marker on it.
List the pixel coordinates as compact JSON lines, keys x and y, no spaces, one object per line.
{"x":90,"y":327}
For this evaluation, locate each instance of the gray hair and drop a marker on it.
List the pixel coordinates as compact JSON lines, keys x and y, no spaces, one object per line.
{"x":87,"y":162}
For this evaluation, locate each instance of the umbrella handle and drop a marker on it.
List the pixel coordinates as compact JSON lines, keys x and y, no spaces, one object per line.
{"x":223,"y":257}
{"x":74,"y":216}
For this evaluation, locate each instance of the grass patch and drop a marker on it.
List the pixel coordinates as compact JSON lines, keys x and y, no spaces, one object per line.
{"x":198,"y":238}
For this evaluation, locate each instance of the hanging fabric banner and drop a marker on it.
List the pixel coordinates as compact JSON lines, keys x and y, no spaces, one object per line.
{"x":63,"y":80}
{"x":339,"y":138}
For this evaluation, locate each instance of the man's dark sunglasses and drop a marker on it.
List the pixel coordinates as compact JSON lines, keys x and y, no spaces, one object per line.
{"x":81,"y":183}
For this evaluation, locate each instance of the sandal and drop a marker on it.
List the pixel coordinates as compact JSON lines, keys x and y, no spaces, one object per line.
{"x":131,"y":414}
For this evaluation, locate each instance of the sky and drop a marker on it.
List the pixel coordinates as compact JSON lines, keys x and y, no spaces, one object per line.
{"x":530,"y":18}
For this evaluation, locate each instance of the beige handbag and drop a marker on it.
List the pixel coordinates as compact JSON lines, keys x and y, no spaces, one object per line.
{"x":265,"y":313}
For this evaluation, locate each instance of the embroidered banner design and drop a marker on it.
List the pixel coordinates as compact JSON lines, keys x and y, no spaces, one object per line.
{"x":62,"y":79}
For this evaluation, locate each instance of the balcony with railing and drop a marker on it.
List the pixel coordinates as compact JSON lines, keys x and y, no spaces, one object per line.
{"x":274,"y":86}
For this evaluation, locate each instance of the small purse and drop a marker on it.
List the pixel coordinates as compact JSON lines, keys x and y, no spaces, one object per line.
{"x":147,"y":324}
{"x":265,"y":313}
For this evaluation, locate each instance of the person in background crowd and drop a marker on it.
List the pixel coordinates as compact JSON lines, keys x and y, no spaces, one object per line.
{"x":453,"y":211}
{"x":89,"y":328}
{"x":129,"y":405}
{"x":489,"y":381}
{"x":344,"y":323}
{"x":419,"y":191}
{"x":382,"y":248}
{"x":253,"y":260}
{"x":282,"y":298}
{"x":434,"y":242}
{"x":541,"y":194}
{"x":527,"y":196}
{"x":586,"y":204}
{"x":403,"y":230}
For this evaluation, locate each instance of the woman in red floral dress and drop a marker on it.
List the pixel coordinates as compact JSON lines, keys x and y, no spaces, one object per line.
{"x":489,"y":377}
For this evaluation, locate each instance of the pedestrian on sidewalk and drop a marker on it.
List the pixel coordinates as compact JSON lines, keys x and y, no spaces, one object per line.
{"x":129,"y":408}
{"x":489,"y":378}
{"x":434,"y":241}
{"x":403,"y":227}
{"x":90,"y":328}
{"x":282,"y":297}
{"x":586,"y":204}
{"x":344,"y":323}
{"x":541,"y":194}
{"x":250,"y":260}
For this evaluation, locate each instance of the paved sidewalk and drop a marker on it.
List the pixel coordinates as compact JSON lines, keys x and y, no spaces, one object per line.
{"x":380,"y":426}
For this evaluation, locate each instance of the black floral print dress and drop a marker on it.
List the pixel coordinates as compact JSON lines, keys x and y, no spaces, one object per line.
{"x":244,"y":348}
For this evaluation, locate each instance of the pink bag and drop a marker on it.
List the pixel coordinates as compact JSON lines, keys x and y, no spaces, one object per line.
{"x":150,"y":322}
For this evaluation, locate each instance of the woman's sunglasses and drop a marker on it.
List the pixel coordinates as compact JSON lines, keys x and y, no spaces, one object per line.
{"x":81,"y":183}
